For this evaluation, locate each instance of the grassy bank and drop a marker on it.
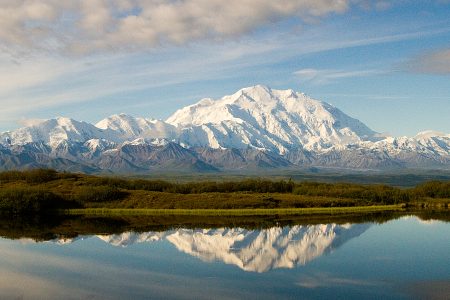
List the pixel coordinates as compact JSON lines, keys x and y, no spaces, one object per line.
{"x":232,"y":212}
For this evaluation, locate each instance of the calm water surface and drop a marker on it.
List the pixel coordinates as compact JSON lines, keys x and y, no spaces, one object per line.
{"x":399,"y":259}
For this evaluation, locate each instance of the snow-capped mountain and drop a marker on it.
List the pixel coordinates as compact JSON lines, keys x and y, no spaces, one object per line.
{"x":53,"y":132}
{"x":250,"y":250}
{"x":263,"y":118}
{"x":256,"y":127}
{"x":125,"y":127}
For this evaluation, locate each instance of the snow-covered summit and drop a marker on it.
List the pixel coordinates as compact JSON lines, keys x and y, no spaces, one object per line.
{"x":126,"y":127}
{"x":53,"y":132}
{"x":426,"y":142}
{"x":261,"y":117}
{"x":431,"y":134}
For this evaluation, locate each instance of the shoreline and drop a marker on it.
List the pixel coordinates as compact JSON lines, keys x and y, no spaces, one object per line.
{"x":231,"y":212}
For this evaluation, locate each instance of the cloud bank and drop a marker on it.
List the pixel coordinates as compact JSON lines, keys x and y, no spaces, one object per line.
{"x":81,"y":26}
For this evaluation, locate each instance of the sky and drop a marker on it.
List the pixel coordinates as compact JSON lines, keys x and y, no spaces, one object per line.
{"x":386,"y":63}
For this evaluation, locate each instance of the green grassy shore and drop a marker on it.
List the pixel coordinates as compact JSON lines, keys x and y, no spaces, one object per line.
{"x":47,"y":191}
{"x":231,"y":212}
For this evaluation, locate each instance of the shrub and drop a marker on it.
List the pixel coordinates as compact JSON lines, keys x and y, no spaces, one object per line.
{"x":371,"y":193}
{"x":28,"y":200}
{"x":249,"y":185}
{"x":433,"y":189}
{"x":87,"y":194}
{"x":149,"y":185}
{"x":40,"y":176}
{"x":32,"y":176}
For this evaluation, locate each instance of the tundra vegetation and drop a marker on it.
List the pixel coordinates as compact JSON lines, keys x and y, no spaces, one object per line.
{"x":45,"y":191}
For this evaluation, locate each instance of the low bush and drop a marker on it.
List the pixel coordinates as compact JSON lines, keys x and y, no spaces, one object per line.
{"x":33,"y":176}
{"x":433,"y":189}
{"x":382,"y":194}
{"x":29,"y":200}
{"x":86,"y":194}
{"x":249,"y":185}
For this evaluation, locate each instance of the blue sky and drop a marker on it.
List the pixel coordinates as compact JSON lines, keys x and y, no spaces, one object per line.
{"x":386,"y":63}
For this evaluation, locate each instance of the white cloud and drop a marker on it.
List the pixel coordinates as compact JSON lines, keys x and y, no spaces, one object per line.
{"x":90,"y":25}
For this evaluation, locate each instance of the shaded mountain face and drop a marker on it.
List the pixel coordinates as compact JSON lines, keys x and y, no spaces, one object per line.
{"x":250,"y":250}
{"x":255,"y":128}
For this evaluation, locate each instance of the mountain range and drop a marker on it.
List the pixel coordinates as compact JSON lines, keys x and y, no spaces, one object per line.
{"x":254,"y":128}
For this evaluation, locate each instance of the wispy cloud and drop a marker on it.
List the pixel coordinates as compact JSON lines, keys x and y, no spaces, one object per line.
{"x":436,"y":62}
{"x":388,"y":97}
{"x":325,"y":76}
{"x":49,"y":82}
{"x":343,"y":42}
{"x":321,"y":280}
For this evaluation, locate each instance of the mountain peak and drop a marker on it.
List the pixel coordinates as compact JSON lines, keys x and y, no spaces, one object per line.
{"x":272,"y":119}
{"x":216,"y":111}
{"x":53,"y":132}
{"x":120,"y":120}
{"x":430,"y":134}
{"x":126,"y":127}
{"x":262,"y":92}
{"x":256,"y":89}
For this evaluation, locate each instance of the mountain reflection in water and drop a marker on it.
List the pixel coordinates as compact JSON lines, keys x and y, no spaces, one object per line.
{"x":250,"y":250}
{"x":246,"y":258}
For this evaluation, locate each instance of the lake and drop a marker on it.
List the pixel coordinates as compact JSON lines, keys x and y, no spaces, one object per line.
{"x":377,"y":257}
